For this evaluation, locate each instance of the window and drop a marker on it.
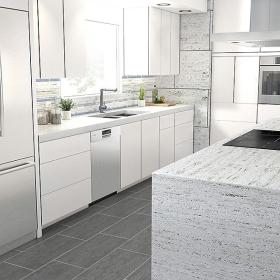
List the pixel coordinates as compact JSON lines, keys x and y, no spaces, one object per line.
{"x":102,"y":49}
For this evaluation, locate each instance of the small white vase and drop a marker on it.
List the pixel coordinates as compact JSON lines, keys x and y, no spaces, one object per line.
{"x":141,"y":103}
{"x":66,"y":115}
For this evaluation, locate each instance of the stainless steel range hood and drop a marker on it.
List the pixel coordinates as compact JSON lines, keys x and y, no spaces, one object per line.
{"x":247,"y":22}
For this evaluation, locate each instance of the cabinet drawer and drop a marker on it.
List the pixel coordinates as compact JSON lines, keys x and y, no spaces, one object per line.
{"x":64,"y":147}
{"x":183,"y":117}
{"x":183,"y":150}
{"x":167,"y":121}
{"x":64,"y":202}
{"x":183,"y":132}
{"x":15,"y":4}
{"x":64,"y":172}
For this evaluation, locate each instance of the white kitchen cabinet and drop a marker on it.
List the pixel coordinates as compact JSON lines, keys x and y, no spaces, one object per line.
{"x":150,"y":146}
{"x":51,"y":34}
{"x":167,"y":146}
{"x":221,"y":130}
{"x":75,"y":39}
{"x":15,"y":4}
{"x":64,"y":202}
{"x":184,"y":117}
{"x":130,"y":154}
{"x":231,"y":16}
{"x":165,"y":44}
{"x":183,"y":150}
{"x":223,"y":79}
{"x":246,"y":84}
{"x":136,"y":45}
{"x":267,"y":112}
{"x":175,"y":44}
{"x":154,"y":41}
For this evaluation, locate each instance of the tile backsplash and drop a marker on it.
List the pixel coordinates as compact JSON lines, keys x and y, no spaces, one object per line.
{"x":191,"y":87}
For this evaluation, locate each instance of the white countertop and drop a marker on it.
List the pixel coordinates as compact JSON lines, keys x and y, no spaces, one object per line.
{"x":84,"y":124}
{"x":231,"y":165}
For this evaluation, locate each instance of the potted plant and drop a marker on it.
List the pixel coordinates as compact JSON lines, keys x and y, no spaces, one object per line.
{"x":66,"y":105}
{"x":141,"y":100}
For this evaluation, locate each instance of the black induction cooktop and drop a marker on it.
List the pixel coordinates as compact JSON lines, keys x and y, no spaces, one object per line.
{"x":258,"y":139}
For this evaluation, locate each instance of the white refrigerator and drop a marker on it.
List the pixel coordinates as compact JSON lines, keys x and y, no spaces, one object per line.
{"x":17,"y":169}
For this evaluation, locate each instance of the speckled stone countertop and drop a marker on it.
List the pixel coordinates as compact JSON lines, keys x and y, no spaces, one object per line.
{"x":84,"y":124}
{"x":231,"y":165}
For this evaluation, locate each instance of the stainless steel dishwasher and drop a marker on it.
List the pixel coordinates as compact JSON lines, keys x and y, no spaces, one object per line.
{"x":106,"y":165}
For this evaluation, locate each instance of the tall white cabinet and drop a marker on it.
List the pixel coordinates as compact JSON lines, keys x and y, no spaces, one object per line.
{"x":151,"y":42}
{"x":15,"y":4}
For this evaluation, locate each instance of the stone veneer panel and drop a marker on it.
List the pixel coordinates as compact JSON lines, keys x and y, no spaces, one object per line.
{"x":195,"y":34}
{"x":195,"y":70}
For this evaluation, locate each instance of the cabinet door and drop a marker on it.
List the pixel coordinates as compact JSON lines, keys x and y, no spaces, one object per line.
{"x":75,"y":43}
{"x":274,"y":21}
{"x":223,"y":79}
{"x":165,"y":46}
{"x":246,"y":80}
{"x":16,"y":120}
{"x":136,"y":46}
{"x":15,"y":4}
{"x":154,"y":41}
{"x":130,"y":154}
{"x":167,"y":146}
{"x":50,"y":13}
{"x":267,"y":112}
{"x":150,"y":146}
{"x":175,"y":44}
{"x":232,"y":16}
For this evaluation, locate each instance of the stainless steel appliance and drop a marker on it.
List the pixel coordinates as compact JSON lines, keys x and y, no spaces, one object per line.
{"x":17,"y":171}
{"x":105,"y":153}
{"x":269,"y":85}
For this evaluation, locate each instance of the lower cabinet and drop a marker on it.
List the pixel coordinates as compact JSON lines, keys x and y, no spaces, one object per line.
{"x":150,"y":146}
{"x":167,"y":146}
{"x":130,"y":154}
{"x":65,"y":177}
{"x":59,"y":204}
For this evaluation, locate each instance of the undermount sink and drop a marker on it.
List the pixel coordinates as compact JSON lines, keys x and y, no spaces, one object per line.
{"x":117,"y":114}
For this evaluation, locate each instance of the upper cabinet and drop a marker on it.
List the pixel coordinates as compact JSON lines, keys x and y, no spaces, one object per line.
{"x":136,"y":41}
{"x":151,"y":42}
{"x":51,"y":34}
{"x":15,"y":4}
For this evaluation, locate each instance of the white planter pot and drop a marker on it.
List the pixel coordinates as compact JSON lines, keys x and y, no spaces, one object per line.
{"x":141,"y":103}
{"x":66,"y":115}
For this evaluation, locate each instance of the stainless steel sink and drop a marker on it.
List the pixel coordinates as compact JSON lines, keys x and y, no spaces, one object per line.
{"x":117,"y":114}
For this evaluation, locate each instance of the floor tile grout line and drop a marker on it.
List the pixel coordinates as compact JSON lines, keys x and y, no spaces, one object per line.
{"x":107,"y":234}
{"x":73,"y":265}
{"x":63,"y":235}
{"x":131,"y":251}
{"x":20,"y":266}
{"x":126,"y":277}
{"x":84,"y":241}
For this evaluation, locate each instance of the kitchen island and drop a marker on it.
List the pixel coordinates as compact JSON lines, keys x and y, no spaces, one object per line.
{"x":216,"y":215}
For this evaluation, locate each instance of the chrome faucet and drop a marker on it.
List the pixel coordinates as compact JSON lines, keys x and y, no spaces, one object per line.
{"x":102,"y":105}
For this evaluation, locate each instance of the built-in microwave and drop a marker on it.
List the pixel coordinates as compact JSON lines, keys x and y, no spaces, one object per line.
{"x":269,"y":83}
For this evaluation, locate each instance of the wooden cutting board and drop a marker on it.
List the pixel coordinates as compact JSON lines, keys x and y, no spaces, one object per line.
{"x":166,"y":104}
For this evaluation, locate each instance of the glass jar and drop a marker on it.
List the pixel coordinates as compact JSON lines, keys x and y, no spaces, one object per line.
{"x":56,"y":116}
{"x":43,"y":118}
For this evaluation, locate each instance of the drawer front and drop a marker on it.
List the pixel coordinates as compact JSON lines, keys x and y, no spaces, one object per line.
{"x":167,"y":121}
{"x":64,"y":147}
{"x":183,"y":133}
{"x":64,"y":172}
{"x":184,"y":117}
{"x":15,"y":4}
{"x":64,"y":202}
{"x":183,"y":150}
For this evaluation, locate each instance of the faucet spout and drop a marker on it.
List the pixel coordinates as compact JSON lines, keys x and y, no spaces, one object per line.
{"x":102,"y":105}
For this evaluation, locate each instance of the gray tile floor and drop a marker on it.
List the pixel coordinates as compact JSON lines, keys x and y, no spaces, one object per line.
{"x":111,"y":240}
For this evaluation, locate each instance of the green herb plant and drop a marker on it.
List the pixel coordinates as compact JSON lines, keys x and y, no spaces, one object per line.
{"x":142,"y":93}
{"x":66,"y":104}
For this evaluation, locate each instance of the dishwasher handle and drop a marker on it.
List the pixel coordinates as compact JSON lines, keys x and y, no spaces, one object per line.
{"x":106,"y":133}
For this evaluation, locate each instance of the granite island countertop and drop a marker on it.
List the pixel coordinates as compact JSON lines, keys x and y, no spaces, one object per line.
{"x":231,"y":165}
{"x":84,"y":123}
